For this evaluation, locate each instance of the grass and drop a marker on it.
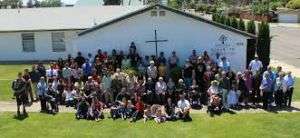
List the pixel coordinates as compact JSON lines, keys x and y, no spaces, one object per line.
{"x":267,"y":125}
{"x":9,"y":73}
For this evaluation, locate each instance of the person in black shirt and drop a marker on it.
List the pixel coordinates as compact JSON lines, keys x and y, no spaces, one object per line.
{"x":35,"y":76}
{"x":162,"y":59}
{"x":79,"y":59}
{"x":19,"y":88}
{"x":42,"y":70}
{"x":187,"y":73}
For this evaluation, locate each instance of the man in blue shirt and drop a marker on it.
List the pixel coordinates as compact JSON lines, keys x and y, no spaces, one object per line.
{"x":266,"y":87}
{"x":42,"y":92}
{"x":289,"y":81}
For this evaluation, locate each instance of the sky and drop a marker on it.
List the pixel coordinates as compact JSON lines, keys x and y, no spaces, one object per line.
{"x":64,"y":1}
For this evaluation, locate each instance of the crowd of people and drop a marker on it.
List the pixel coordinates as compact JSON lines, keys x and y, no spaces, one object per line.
{"x":134,"y":87}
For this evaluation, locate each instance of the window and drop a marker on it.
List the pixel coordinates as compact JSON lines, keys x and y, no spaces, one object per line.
{"x":162,"y":13}
{"x":28,"y":42}
{"x":58,"y":42}
{"x":153,"y":13}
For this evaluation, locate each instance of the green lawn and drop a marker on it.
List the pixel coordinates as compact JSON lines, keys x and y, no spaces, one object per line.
{"x":267,"y":125}
{"x":9,"y":73}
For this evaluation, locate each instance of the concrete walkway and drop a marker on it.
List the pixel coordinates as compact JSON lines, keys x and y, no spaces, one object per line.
{"x":35,"y":107}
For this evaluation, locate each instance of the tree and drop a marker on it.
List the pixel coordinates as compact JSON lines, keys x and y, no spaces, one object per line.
{"x":251,"y":45}
{"x":234,"y":23}
{"x":241,"y":25}
{"x":227,"y":21}
{"x":51,"y":3}
{"x":37,"y":3}
{"x":263,"y":43}
{"x":12,"y":3}
{"x":251,"y":28}
{"x":112,"y":2}
{"x":29,"y":4}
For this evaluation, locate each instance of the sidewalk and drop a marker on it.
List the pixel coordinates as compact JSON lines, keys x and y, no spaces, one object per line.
{"x":11,"y":107}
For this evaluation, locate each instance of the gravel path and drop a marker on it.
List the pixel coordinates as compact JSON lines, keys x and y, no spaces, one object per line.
{"x":11,"y":107}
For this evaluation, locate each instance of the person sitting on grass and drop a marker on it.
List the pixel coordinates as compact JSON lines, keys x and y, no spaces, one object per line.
{"x":139,"y":110}
{"x":82,"y":109}
{"x":69,"y":96}
{"x":183,"y":108}
{"x":95,"y":110}
{"x":51,"y":98}
{"x":18,"y":87}
{"x":160,"y":115}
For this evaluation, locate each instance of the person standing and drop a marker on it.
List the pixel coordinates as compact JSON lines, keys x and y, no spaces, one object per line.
{"x":35,"y":76}
{"x":173,"y":60}
{"x":290,"y":82}
{"x":28,"y":89}
{"x":266,"y":89}
{"x":255,"y":66}
{"x":280,"y":89}
{"x":42,"y":92}
{"x":19,"y":88}
{"x":225,"y":87}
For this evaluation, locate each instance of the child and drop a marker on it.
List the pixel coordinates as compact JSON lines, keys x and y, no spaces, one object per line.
{"x":160,"y":115}
{"x":232,"y":98}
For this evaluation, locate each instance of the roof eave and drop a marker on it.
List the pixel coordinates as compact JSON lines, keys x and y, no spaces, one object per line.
{"x":251,"y":36}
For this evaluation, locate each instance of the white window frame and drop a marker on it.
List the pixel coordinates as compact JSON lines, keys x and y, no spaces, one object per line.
{"x":58,"y":41}
{"x":28,"y":42}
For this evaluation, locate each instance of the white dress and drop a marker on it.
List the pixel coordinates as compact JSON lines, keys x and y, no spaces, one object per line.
{"x":232,"y":98}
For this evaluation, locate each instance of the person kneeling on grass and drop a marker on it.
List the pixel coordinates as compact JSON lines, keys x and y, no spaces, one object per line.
{"x":18,"y":87}
{"x":183,"y":109}
{"x":95,"y":110}
{"x":82,"y":109}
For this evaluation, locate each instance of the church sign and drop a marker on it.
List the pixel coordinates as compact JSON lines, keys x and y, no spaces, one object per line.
{"x":225,"y":47}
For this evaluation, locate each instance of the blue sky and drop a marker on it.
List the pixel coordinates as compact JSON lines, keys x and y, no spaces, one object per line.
{"x":65,"y":1}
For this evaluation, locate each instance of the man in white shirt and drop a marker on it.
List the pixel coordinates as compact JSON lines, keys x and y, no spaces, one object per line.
{"x":224,"y":64}
{"x":289,"y":82}
{"x":152,"y":71}
{"x":183,"y":109}
{"x":161,"y":89}
{"x":255,"y":65}
{"x":51,"y":73}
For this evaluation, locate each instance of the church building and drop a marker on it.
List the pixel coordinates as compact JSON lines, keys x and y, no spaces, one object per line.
{"x":50,"y":33}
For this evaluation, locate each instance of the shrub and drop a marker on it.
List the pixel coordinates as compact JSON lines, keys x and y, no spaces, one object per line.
{"x":293,"y":4}
{"x":215,"y":17}
{"x":222,"y":19}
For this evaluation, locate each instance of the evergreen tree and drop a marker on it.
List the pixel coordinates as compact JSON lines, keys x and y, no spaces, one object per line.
{"x":234,"y":23}
{"x":251,"y":28}
{"x":263,"y":44}
{"x":251,"y":47}
{"x":29,"y":4}
{"x":242,"y":25}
